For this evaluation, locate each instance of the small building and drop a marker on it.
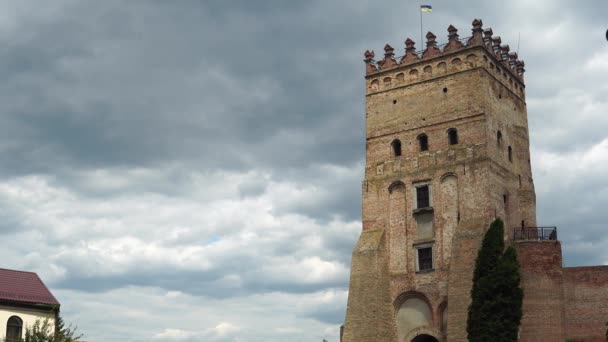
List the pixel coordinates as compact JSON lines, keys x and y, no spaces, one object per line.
{"x":24,"y":299}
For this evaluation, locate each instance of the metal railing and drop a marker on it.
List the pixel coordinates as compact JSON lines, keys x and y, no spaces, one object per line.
{"x":535,"y":233}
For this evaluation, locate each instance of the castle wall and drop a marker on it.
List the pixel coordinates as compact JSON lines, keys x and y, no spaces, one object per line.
{"x":510,"y":154}
{"x":464,"y":252}
{"x":586,"y":302}
{"x":476,"y":87}
{"x":369,"y":312}
{"x":457,"y":174}
{"x":542,"y":282}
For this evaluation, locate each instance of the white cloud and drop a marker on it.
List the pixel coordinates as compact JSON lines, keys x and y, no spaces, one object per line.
{"x":174,"y":335}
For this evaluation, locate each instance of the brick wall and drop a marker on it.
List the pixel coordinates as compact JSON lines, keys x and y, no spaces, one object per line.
{"x":541,"y":280}
{"x":369,"y":312}
{"x":471,"y":90}
{"x":480,"y":94}
{"x":586,"y":302}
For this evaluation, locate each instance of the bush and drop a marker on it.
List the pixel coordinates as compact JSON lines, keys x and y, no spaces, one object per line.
{"x":42,"y":331}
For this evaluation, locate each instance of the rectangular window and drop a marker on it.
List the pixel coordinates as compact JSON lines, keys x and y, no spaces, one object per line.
{"x":425,"y":259}
{"x":422,"y":197}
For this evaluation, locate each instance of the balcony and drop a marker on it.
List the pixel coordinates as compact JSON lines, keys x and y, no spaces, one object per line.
{"x":535,"y":234}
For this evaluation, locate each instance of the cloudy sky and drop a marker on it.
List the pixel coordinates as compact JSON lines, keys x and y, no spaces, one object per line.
{"x":190,"y":170}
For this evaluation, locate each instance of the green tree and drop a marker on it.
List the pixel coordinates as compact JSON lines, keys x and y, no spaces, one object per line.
{"x":509,"y":295}
{"x":496,"y":297}
{"x":42,"y":331}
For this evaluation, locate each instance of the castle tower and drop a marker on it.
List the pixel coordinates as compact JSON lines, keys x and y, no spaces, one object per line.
{"x":447,"y":151}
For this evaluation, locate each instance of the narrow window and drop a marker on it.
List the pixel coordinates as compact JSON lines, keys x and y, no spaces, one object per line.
{"x":396,"y":147}
{"x":519,"y":176}
{"x":13,"y":329}
{"x":424,"y":142}
{"x":510,"y":154}
{"x":422,"y":197}
{"x":499,"y":139}
{"x":452,"y":136}
{"x":425,"y":259}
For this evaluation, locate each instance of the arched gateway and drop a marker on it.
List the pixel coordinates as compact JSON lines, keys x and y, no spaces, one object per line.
{"x":424,"y":338}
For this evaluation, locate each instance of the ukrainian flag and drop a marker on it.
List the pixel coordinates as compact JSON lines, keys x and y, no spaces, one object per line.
{"x":426,"y":8}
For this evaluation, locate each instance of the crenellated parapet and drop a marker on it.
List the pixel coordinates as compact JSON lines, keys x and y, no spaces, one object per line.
{"x":481,"y":49}
{"x":453,"y":40}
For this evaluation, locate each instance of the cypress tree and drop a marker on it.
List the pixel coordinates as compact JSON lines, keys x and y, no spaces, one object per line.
{"x":509,"y":296}
{"x":496,"y":298}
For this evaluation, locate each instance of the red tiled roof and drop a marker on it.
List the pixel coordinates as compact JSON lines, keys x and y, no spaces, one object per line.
{"x":24,"y":287}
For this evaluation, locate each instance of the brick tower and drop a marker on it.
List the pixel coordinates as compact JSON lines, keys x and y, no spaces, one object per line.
{"x":447,"y":151}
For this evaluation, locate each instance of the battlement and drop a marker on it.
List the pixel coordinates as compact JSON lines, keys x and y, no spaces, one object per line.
{"x":437,"y":60}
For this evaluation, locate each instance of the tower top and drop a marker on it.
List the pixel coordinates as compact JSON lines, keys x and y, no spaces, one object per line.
{"x":479,"y":38}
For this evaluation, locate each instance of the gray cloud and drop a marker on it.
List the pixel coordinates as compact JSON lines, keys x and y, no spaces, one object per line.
{"x":206,"y":157}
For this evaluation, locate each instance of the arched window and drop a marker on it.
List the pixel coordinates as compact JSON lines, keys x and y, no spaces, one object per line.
{"x":510,"y":154}
{"x":396,"y":147}
{"x":423,"y":140}
{"x":452,"y":136}
{"x":499,"y":139}
{"x":13,"y":329}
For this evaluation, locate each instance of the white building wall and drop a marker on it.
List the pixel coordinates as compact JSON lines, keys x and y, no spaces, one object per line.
{"x":28,"y":316}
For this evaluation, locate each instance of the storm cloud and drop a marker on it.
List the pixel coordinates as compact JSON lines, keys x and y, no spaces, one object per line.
{"x":191,"y":170}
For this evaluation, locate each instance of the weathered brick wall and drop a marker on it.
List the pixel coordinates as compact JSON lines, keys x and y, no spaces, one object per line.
{"x":369,"y":312}
{"x":480,"y":94}
{"x":460,"y":206}
{"x":541,"y":280}
{"x":586,"y":302}
{"x":464,"y":252}
{"x":469,"y":89}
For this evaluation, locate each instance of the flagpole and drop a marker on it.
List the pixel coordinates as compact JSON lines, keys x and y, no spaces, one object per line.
{"x":421,"y":43}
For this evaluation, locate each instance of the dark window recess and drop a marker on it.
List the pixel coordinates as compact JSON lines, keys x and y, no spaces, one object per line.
{"x":425,"y":259}
{"x":396,"y":147}
{"x":13,"y":329}
{"x":453,"y":136}
{"x":510,"y":154}
{"x":422,"y":197}
{"x":424,"y":142}
{"x":498,"y":139}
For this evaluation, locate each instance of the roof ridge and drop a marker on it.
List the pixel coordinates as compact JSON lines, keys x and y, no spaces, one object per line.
{"x":20,"y":271}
